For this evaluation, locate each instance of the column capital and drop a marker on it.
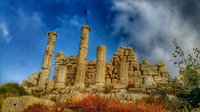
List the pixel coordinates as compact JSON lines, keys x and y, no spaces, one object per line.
{"x":52,"y":33}
{"x":87,"y":27}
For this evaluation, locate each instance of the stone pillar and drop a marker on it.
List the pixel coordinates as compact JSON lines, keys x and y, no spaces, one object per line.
{"x":58,"y":59}
{"x":61,"y":77}
{"x":101,"y":66}
{"x":82,"y":57}
{"x":123,"y":72}
{"x":47,"y":61}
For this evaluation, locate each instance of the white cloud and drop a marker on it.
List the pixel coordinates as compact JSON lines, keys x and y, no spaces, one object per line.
{"x":153,"y":27}
{"x":26,"y":20}
{"x":4,"y":33}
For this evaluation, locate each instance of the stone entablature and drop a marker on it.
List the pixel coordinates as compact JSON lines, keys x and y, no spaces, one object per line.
{"x":123,"y":72}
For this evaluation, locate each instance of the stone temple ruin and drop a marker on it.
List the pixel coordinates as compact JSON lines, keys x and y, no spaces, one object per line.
{"x":74,"y":76}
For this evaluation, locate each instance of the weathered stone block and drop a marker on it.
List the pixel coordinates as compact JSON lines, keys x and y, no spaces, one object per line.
{"x":18,"y":104}
{"x":157,"y":78}
{"x":145,"y":62}
{"x":126,"y":52}
{"x":148,"y":81}
{"x":150,"y":72}
{"x":107,"y":76}
{"x":161,"y":63}
{"x":31,"y":82}
{"x":137,"y":81}
{"x":92,"y":70}
{"x":116,"y":54}
{"x":136,"y":73}
{"x":115,"y":81}
{"x":162,"y":69}
{"x":121,"y":51}
{"x":108,"y":80}
{"x":131,"y":59}
{"x":72,"y":71}
{"x":130,"y":80}
{"x":130,"y":48}
{"x":112,"y":76}
{"x":35,"y":75}
{"x":50,"y":86}
{"x":91,"y":75}
{"x":115,"y":70}
{"x":116,"y":58}
{"x":119,"y":86}
{"x":123,"y":58}
{"x":110,"y":71}
{"x":122,"y":47}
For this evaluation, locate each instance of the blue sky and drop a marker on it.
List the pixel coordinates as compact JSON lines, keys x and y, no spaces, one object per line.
{"x":148,"y":26}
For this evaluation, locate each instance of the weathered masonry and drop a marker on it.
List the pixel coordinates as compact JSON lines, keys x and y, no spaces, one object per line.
{"x":123,"y":72}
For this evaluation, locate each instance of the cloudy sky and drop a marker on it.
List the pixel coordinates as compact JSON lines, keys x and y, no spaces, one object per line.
{"x":147,"y":25}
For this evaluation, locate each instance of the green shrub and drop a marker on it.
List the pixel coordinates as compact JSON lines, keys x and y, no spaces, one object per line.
{"x":193,"y":97}
{"x":13,"y":88}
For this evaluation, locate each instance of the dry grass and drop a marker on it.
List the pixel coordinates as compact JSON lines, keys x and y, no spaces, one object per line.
{"x":37,"y":108}
{"x":101,"y":104}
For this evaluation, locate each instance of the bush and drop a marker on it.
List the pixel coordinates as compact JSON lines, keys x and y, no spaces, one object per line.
{"x":37,"y":108}
{"x":193,"y":97}
{"x":13,"y":88}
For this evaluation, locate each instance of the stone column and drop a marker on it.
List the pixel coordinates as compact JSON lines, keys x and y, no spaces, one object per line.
{"x":47,"y":61}
{"x":58,"y":60}
{"x":123,"y":72}
{"x":82,"y":57}
{"x":61,"y":77}
{"x":101,"y":66}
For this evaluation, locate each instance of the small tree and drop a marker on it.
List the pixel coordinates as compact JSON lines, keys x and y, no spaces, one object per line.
{"x":189,"y":65}
{"x":186,"y":60}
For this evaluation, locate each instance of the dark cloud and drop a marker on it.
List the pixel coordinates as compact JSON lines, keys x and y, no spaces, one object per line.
{"x":153,"y":26}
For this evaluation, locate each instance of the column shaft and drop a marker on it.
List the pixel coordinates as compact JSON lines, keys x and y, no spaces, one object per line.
{"x":82,"y":57}
{"x":47,"y":61}
{"x":101,"y":65}
{"x":61,"y":77}
{"x":123,"y":72}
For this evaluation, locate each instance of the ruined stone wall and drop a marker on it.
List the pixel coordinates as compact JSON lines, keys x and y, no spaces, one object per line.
{"x":122,"y":69}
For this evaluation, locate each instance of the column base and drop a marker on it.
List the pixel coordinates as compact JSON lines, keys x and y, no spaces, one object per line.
{"x":79,"y":85}
{"x":39,"y":90}
{"x":99,"y":84}
{"x":60,"y":85}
